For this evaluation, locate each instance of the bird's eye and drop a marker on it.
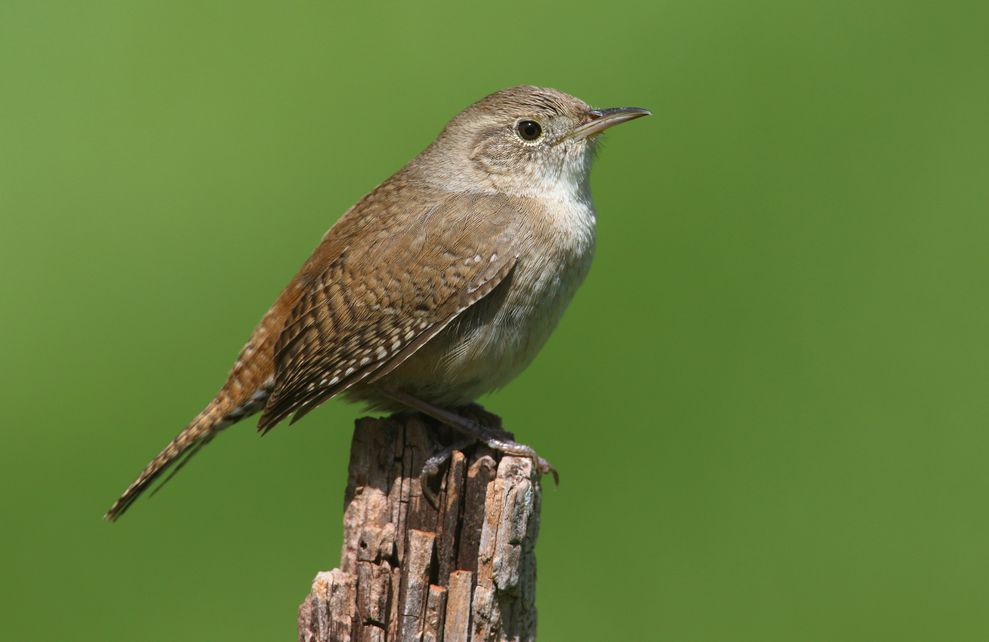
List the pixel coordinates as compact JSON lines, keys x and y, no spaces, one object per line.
{"x":528,"y":129}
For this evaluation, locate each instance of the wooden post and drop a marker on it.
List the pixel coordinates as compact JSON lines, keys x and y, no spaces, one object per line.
{"x":409,"y":571}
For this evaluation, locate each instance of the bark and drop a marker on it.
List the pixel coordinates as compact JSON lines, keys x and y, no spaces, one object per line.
{"x":408,"y":571}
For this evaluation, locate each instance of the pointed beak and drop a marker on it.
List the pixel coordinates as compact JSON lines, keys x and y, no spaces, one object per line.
{"x":599,"y":120}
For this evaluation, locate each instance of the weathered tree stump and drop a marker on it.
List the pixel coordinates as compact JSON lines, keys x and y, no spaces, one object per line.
{"x":408,"y":571}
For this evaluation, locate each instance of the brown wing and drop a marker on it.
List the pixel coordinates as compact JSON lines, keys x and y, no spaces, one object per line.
{"x":382,"y":294}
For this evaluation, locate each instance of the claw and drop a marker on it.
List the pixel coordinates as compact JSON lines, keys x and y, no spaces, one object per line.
{"x":510,"y":447}
{"x":544,"y":467}
{"x":495,"y":438}
{"x":427,"y":492}
{"x":431,"y":468}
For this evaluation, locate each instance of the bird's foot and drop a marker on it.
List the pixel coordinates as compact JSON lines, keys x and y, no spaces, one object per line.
{"x":476,"y":431}
{"x":431,"y":469}
{"x":479,"y":424}
{"x":510,"y":447}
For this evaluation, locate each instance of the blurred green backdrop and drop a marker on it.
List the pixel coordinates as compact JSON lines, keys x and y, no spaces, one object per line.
{"x":768,"y":403}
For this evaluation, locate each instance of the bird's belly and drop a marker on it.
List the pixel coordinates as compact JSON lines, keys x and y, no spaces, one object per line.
{"x":494,"y":340}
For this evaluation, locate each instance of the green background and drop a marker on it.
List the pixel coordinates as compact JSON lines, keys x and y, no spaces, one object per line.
{"x":768,"y":402}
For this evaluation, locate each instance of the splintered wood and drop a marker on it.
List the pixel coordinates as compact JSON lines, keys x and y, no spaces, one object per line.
{"x":410,"y":572}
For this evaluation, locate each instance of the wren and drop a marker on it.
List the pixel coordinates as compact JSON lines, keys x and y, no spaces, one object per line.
{"x":440,"y":285}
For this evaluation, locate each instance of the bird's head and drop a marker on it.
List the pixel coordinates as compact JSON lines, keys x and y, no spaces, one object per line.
{"x":522,"y":141}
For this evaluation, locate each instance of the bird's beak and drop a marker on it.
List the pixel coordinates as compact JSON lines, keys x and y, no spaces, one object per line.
{"x":599,"y":120}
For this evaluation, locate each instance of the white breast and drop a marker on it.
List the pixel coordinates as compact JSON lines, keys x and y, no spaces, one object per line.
{"x":495,"y":339}
{"x":556,"y":257}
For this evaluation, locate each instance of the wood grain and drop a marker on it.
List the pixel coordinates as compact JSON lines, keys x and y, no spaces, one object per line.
{"x":464,"y":571}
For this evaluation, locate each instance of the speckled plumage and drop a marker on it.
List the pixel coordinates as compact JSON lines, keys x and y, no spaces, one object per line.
{"x":442,"y":283}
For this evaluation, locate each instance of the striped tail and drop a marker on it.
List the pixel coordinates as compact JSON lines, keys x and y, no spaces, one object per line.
{"x":214,"y":418}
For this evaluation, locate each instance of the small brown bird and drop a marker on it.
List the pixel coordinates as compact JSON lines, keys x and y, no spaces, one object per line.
{"x":440,"y":285}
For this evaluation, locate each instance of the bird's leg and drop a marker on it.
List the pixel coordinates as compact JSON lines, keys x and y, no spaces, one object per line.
{"x":492,"y":438}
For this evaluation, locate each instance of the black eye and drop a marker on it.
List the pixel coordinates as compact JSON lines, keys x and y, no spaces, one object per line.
{"x":529,"y":129}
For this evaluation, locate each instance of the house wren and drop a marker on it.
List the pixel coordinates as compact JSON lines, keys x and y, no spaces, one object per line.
{"x":437,"y":287}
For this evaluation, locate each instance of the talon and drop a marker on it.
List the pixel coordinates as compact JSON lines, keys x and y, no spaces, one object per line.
{"x":545,"y":467}
{"x":497,"y":439}
{"x":431,"y":468}
{"x":427,"y":492}
{"x":429,"y":471}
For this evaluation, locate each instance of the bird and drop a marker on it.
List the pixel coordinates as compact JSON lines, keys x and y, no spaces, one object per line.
{"x":438,"y":286}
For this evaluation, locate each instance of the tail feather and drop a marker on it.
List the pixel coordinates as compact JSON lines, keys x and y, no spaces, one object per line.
{"x":247,"y":389}
{"x":214,"y":418}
